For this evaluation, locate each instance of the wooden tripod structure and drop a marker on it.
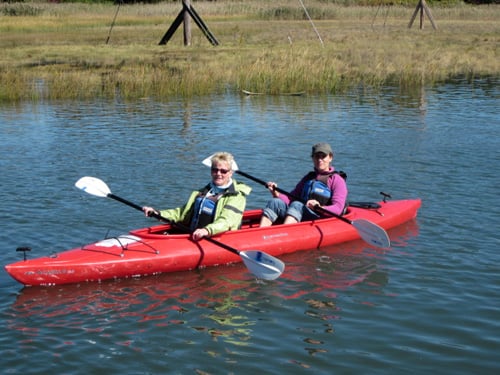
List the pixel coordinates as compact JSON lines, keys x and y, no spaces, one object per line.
{"x":423,"y":8}
{"x":185,"y":16}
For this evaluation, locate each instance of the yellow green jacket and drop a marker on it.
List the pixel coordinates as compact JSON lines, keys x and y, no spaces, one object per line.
{"x":228,"y":213}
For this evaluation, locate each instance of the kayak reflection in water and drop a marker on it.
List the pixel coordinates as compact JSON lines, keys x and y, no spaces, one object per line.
{"x":323,"y":187}
{"x":217,"y":207}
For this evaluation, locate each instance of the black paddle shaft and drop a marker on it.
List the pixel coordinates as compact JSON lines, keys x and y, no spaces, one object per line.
{"x":173,"y":223}
{"x":370,"y":232}
{"x":291,"y":196}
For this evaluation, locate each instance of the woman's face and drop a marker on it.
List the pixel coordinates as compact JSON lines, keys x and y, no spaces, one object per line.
{"x":322,"y":161}
{"x":221,"y":173}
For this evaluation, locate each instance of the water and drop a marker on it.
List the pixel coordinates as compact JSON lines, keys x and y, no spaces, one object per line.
{"x":430,"y":303}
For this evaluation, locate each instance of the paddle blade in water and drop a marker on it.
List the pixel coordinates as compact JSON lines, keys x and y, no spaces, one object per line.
{"x":262,"y":265}
{"x":372,"y":233}
{"x":93,"y":186}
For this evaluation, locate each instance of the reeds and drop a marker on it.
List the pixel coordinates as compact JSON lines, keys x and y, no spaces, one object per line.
{"x":59,"y":51}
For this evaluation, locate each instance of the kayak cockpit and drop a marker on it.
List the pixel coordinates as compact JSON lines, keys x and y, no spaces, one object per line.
{"x":251,"y":219}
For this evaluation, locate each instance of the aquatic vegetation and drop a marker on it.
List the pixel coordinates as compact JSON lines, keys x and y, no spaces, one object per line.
{"x":72,"y":50}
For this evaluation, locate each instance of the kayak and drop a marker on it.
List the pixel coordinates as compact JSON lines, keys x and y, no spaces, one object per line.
{"x":163,"y":248}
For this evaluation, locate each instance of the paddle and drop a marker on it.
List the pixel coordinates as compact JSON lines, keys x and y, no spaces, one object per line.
{"x":262,"y":265}
{"x":368,"y":231}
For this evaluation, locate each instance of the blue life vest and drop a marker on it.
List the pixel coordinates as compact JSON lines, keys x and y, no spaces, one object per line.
{"x":318,"y":190}
{"x":204,"y":211}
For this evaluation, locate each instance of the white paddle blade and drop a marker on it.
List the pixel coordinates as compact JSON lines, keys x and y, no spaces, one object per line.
{"x":208,"y":162}
{"x":372,"y":233}
{"x":93,"y":186}
{"x":262,"y":265}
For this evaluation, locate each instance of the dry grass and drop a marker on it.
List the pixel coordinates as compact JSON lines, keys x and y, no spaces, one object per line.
{"x":60,"y":50}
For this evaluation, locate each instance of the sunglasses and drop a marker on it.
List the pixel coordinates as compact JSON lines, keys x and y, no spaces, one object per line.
{"x":319,"y":155}
{"x":223,"y":171}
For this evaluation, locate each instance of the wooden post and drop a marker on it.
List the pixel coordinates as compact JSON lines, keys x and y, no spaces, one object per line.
{"x":187,"y":23}
{"x":423,"y":8}
{"x":186,"y":14}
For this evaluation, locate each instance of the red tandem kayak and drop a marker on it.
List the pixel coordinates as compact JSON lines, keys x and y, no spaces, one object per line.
{"x":158,"y":249}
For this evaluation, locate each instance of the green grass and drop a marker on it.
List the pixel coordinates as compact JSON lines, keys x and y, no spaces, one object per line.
{"x":59,"y":51}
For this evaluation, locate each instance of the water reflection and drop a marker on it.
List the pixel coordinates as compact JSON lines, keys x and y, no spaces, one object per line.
{"x":430,"y":143}
{"x":224,"y":303}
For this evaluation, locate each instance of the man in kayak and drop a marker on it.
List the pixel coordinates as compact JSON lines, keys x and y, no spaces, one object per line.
{"x":216,"y":208}
{"x":322,"y":187}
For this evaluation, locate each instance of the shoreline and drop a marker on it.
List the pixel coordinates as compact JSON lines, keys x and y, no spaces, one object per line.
{"x":74,"y":51}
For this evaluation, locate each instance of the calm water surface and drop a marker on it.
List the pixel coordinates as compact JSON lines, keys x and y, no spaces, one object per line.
{"x":429,"y":304}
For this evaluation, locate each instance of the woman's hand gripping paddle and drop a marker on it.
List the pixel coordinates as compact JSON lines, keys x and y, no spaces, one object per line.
{"x":368,"y":231}
{"x":262,"y":265}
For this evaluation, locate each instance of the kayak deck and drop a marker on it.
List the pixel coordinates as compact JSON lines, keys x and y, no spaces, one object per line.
{"x":161,"y":248}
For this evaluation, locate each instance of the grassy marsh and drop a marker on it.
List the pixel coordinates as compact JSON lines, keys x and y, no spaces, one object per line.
{"x":59,"y":51}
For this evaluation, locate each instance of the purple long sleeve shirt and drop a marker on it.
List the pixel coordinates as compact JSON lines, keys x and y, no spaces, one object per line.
{"x":337,"y":186}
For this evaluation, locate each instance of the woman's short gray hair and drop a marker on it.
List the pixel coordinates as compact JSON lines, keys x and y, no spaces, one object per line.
{"x":225,"y":157}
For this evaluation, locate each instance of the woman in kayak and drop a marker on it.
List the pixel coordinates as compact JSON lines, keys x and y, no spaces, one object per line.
{"x":322,"y":187}
{"x":216,"y":208}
